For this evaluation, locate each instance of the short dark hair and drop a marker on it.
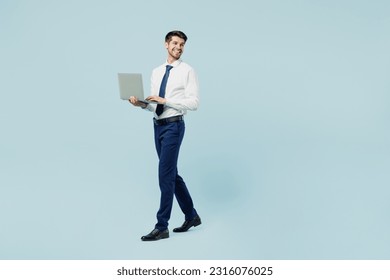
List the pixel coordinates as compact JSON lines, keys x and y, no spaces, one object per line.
{"x":177,"y":33}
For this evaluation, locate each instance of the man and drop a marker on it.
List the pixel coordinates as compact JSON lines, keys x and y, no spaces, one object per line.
{"x":174,"y":90}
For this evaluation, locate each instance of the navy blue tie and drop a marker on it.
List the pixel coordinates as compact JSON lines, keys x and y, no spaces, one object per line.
{"x":160,"y":107}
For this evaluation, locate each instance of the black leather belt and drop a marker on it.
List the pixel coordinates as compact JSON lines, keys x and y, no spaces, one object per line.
{"x":168,"y":120}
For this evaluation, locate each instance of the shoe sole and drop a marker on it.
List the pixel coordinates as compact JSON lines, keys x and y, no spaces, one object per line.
{"x":162,"y":237}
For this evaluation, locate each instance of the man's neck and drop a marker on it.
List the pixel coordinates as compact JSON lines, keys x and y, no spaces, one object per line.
{"x":171,"y":60}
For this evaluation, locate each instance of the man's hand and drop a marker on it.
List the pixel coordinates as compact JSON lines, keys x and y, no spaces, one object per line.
{"x":156,"y":99}
{"x":133,"y":100}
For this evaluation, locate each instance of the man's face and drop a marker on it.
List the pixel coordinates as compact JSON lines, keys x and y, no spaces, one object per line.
{"x":175,"y":47}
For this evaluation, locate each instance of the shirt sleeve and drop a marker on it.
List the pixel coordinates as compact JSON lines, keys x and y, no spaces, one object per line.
{"x":149,"y":107}
{"x":191,"y":95}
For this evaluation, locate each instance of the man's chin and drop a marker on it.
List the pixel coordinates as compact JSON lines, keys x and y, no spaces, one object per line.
{"x":176,"y":55}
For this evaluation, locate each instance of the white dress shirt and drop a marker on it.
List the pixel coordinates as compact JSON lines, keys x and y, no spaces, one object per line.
{"x":182,"y":91}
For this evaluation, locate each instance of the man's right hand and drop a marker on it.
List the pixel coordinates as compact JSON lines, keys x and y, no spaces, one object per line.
{"x":133,"y":100}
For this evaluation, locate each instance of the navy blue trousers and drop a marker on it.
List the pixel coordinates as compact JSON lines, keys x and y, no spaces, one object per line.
{"x":168,"y":139}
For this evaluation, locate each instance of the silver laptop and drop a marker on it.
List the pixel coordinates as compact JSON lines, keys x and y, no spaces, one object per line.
{"x":130,"y":84}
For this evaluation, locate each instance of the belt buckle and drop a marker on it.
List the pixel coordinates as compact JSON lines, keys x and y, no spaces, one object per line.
{"x":167,"y":120}
{"x":160,"y":122}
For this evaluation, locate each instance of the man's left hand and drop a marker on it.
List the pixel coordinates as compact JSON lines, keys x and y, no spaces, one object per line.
{"x":157,"y":99}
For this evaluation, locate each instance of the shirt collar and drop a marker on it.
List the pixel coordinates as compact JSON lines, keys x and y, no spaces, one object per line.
{"x":175,"y":64}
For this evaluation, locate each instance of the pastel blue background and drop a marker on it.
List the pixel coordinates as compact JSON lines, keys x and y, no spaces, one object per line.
{"x":288,"y":156}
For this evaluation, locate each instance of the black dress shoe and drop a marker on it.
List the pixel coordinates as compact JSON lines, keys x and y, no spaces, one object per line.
{"x":156,"y":234}
{"x":188,"y":224}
